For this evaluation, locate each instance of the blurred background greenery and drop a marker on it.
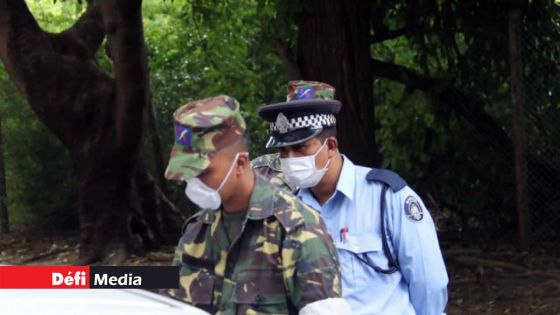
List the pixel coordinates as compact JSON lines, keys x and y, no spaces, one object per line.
{"x":201,"y":48}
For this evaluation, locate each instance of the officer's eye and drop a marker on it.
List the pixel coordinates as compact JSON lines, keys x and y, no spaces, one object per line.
{"x":297,"y":147}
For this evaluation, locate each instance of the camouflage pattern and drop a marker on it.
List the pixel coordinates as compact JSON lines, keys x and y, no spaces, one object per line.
{"x":202,"y":127}
{"x":283,"y":260}
{"x":268,"y":165}
{"x":298,"y":90}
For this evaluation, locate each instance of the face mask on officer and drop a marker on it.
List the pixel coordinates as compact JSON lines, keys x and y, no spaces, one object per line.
{"x":206,"y":197}
{"x":302,"y":172}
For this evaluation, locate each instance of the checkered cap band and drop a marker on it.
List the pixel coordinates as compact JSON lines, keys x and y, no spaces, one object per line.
{"x":312,"y":121}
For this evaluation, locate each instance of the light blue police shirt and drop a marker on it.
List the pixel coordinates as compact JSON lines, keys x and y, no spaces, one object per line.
{"x":420,"y":286}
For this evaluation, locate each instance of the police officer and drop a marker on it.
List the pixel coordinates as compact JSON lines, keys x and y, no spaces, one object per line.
{"x":384,"y":235}
{"x":253,"y":248}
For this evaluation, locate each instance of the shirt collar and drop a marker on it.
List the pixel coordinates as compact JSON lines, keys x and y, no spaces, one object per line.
{"x":347,"y":180}
{"x":345,"y":184}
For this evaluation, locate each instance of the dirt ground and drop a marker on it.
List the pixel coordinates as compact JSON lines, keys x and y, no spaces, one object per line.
{"x":483,"y":280}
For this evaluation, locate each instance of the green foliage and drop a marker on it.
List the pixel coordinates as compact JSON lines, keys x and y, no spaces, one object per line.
{"x":41,"y":188}
{"x":55,"y":17}
{"x":465,"y":43}
{"x":199,"y":49}
{"x":195,"y":50}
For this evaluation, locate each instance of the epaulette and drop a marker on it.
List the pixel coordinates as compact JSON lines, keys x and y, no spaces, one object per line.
{"x":205,"y":216}
{"x":392,"y":179}
{"x":286,"y":211}
{"x":271,"y":161}
{"x":259,"y":162}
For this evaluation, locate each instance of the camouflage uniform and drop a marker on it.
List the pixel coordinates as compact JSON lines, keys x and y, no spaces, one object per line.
{"x":283,"y":259}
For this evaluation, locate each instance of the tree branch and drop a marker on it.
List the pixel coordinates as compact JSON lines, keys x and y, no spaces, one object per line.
{"x":290,"y":64}
{"x":15,"y":16}
{"x":50,"y":80}
{"x":386,"y":34}
{"x":125,"y":39}
{"x":467,"y":106}
{"x":403,"y":75}
{"x":84,"y":38}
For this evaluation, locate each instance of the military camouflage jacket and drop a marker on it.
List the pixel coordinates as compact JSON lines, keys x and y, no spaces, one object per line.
{"x":268,"y":165}
{"x":283,"y":260}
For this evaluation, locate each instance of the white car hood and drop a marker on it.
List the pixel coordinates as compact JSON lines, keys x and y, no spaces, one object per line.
{"x":90,"y":301}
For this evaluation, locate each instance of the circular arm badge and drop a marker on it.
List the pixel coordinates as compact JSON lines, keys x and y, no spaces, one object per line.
{"x":412,"y":209}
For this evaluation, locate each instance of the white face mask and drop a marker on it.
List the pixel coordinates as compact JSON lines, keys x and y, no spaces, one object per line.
{"x":301,"y":171}
{"x":204,"y":196}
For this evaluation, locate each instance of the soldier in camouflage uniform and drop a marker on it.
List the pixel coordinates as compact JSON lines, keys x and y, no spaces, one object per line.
{"x":261,"y":251}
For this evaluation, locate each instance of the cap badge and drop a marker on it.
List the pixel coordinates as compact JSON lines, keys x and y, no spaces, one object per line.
{"x":305,"y":92}
{"x":282,"y":123}
{"x":183,"y":135}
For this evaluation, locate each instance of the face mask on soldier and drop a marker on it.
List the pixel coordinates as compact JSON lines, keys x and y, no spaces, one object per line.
{"x":302,"y":172}
{"x":206,"y":197}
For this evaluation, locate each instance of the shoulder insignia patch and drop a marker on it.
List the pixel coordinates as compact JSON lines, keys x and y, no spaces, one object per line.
{"x":412,"y":209}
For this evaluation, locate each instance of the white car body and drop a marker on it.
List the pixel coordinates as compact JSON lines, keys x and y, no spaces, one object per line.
{"x":90,"y":302}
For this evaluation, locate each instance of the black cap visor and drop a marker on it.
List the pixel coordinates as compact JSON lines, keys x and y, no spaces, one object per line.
{"x":278,"y":140}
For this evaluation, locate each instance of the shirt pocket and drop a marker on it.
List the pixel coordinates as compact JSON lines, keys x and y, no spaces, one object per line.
{"x":353,"y":252}
{"x":197,"y":281}
{"x":260,"y":292}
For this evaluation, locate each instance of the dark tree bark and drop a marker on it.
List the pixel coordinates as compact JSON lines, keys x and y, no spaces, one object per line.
{"x":4,"y":218}
{"x":291,"y":66}
{"x":99,"y":118}
{"x":157,"y":146}
{"x":334,"y":47}
{"x":519,"y":137}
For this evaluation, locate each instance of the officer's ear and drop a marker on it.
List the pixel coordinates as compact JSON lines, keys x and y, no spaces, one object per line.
{"x":332,"y":146}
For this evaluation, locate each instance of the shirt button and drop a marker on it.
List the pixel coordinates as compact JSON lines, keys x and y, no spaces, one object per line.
{"x":295,"y":244}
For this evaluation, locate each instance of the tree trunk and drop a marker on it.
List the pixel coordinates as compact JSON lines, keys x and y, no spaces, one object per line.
{"x":334,"y":47}
{"x":157,"y":146}
{"x":4,"y":218}
{"x":98,"y":118}
{"x":519,"y":137}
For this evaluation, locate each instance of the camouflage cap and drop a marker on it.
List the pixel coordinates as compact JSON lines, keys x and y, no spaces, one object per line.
{"x":203,"y":127}
{"x":305,"y":90}
{"x":309,"y":108}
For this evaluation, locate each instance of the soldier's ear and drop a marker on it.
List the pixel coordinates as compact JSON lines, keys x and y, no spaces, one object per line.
{"x":243,"y":163}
